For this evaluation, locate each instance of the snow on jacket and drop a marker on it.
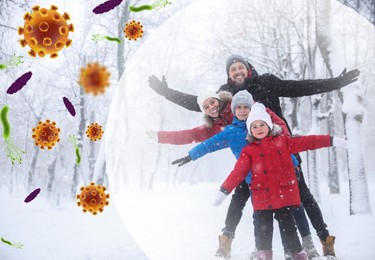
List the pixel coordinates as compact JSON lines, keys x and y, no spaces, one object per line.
{"x":203,"y":132}
{"x":273,"y":183}
{"x":233,"y":136}
{"x":266,"y":88}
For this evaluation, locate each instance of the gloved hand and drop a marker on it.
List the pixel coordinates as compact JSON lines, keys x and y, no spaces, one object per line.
{"x":220,"y":197}
{"x":182,"y":161}
{"x":339,"y":142}
{"x":160,"y":87}
{"x":347,"y":78}
{"x":152,"y":135}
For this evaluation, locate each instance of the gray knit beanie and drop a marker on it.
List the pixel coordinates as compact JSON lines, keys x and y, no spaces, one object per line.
{"x":242,"y":98}
{"x":236,"y":58}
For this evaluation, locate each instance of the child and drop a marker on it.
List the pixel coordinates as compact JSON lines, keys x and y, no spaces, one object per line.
{"x":234,"y":137}
{"x":273,"y":182}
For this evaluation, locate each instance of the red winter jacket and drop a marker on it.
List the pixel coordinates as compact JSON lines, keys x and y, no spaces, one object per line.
{"x":273,"y":182}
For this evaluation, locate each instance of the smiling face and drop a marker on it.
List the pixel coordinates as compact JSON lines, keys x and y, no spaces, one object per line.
{"x":242,"y":112}
{"x":211,"y":107}
{"x":238,"y":73}
{"x":259,"y":129}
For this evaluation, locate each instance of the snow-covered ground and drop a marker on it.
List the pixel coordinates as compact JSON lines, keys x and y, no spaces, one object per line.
{"x":168,"y":224}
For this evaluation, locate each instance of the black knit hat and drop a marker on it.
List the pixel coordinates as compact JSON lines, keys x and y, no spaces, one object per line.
{"x":236,"y":58}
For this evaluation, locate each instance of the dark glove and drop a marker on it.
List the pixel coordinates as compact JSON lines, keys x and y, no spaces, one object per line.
{"x":182,"y":161}
{"x":160,"y":87}
{"x":347,"y":78}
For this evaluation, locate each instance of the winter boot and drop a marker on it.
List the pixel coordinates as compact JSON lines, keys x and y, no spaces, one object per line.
{"x":328,"y":248}
{"x":299,"y":256}
{"x":308,"y":247}
{"x":225,"y":244}
{"x":264,"y":255}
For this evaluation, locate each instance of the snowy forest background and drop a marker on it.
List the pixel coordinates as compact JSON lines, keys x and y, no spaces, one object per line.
{"x":291,"y":39}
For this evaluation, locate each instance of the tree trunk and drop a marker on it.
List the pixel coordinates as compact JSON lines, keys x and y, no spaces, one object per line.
{"x":51,"y":175}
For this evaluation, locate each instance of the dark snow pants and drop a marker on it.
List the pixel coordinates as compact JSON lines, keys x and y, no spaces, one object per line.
{"x":237,"y":204}
{"x":263,"y":226}
{"x":312,"y":208}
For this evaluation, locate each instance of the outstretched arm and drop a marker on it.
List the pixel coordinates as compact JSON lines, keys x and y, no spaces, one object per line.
{"x":213,"y":144}
{"x":299,"y":88}
{"x":197,"y":134}
{"x":182,"y":99}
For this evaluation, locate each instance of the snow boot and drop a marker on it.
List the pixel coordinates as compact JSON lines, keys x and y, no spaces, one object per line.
{"x":308,"y":247}
{"x":264,"y":255}
{"x":328,"y":249}
{"x":299,"y":256}
{"x":225,"y":244}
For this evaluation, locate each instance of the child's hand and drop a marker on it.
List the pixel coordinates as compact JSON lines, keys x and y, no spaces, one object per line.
{"x":339,"y":142}
{"x":220,"y":197}
{"x":182,"y":161}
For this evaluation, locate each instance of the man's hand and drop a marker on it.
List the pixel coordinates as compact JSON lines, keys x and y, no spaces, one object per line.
{"x":182,"y":161}
{"x":160,"y":87}
{"x":347,"y":78}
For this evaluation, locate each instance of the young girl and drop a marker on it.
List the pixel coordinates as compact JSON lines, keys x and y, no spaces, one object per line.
{"x":273,"y":183}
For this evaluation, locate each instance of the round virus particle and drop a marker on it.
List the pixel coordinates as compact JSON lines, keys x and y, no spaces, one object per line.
{"x":93,"y":198}
{"x":94,"y":132}
{"x":45,"y":31}
{"x":94,"y":78}
{"x":133,"y":30}
{"x":46,"y":134}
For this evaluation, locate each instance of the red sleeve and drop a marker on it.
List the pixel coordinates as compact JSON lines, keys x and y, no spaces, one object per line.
{"x":198,"y":134}
{"x":239,"y":173}
{"x":277,"y":120}
{"x":308,"y":142}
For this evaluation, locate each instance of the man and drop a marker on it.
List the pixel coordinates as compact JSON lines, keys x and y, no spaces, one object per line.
{"x":267,"y":89}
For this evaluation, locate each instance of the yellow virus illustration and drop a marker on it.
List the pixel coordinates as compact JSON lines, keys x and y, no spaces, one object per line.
{"x":45,"y":31}
{"x":133,"y":30}
{"x":93,"y":198}
{"x":94,"y":132}
{"x":46,"y":134}
{"x":94,"y":78}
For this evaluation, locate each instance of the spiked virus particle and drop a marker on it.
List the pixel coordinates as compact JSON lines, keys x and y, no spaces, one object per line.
{"x":45,"y":31}
{"x":133,"y":30}
{"x":46,"y":134}
{"x":93,"y":198}
{"x":94,"y":78}
{"x":94,"y":132}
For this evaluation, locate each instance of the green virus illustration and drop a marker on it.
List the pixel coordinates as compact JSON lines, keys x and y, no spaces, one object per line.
{"x":11,"y":149}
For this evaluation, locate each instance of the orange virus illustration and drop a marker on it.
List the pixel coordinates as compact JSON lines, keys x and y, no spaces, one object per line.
{"x":94,"y":131}
{"x":93,"y":198}
{"x":94,"y":78}
{"x":133,"y":30}
{"x":45,"y":31}
{"x":46,"y":134}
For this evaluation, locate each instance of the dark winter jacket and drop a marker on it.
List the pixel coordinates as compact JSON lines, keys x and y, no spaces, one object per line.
{"x":266,"y":88}
{"x":274,"y":184}
{"x":203,"y":132}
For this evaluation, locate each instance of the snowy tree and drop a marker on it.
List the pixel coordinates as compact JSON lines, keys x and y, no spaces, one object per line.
{"x":352,"y":111}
